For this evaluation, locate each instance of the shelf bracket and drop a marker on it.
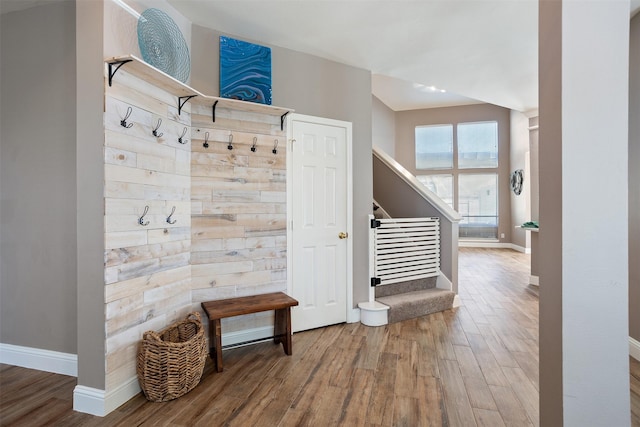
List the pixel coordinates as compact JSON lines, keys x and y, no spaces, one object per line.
{"x":181,"y":102}
{"x":112,"y":71}
{"x":213,"y":111}
{"x":282,"y":120}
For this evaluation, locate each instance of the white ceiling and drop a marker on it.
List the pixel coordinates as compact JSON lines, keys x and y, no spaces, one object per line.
{"x":483,"y":49}
{"x":477,"y":50}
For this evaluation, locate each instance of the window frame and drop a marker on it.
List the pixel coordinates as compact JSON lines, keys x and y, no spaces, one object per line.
{"x":456,"y":171}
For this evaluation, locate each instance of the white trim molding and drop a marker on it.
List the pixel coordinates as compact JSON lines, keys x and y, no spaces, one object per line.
{"x":634,"y":348}
{"x":353,"y":315}
{"x":100,"y":403}
{"x":42,"y":360}
{"x":443,"y":282}
{"x":492,"y":244}
{"x":520,"y":249}
{"x":247,"y":335}
{"x":457,"y":302}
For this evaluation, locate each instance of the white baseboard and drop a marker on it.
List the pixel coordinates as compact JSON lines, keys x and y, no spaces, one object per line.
{"x":100,"y":403}
{"x":246,"y":335}
{"x":493,"y":245}
{"x":457,"y":302}
{"x":443,"y":282}
{"x":534,"y":280}
{"x":42,"y":360}
{"x":634,"y":348}
{"x":353,"y":315}
{"x":520,"y":249}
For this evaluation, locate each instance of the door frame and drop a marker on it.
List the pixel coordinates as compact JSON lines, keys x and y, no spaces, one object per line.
{"x":352,"y":315}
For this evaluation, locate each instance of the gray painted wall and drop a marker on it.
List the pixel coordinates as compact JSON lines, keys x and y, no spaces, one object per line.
{"x":535,"y":193}
{"x":38,"y":178}
{"x":406,"y":121}
{"x":634,"y":180}
{"x":384,"y":127}
{"x":89,"y":187}
{"x":520,"y":204}
{"x":550,"y":210}
{"x":317,"y":87}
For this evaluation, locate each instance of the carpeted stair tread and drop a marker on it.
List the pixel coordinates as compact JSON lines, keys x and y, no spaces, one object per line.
{"x":406,"y":286}
{"x":414,"y":304}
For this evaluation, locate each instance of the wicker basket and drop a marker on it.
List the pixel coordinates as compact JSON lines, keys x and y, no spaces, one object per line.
{"x":170,"y":362}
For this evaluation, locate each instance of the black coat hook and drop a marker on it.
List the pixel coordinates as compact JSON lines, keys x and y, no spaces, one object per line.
{"x":170,"y":215}
{"x":275,"y":147}
{"x":206,"y":140}
{"x":123,"y":122}
{"x":184,"y":132}
{"x":141,"y":220}
{"x":155,"y":130}
{"x":230,"y":146}
{"x":255,"y":142}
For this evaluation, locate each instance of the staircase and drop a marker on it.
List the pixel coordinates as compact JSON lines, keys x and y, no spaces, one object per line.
{"x":405,"y":270}
{"x":414,"y":298}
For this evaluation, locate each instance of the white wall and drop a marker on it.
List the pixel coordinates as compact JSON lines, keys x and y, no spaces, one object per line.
{"x":584,"y":78}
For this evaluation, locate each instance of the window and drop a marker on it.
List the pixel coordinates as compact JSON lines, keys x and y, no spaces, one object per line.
{"x":478,"y":145}
{"x":478,"y":205}
{"x":467,"y":172}
{"x":434,"y":147}
{"x":440,"y":184}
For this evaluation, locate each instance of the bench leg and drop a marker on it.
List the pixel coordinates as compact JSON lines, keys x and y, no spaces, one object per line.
{"x":282,"y":329}
{"x":215,"y":342}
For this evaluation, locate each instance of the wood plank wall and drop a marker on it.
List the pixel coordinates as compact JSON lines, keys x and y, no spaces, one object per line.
{"x":229,"y":238}
{"x":239,"y":211}
{"x":147,"y":268}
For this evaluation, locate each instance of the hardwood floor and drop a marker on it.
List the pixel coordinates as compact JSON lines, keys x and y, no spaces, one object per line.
{"x":476,"y":365}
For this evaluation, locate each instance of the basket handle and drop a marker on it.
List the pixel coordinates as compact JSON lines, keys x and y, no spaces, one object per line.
{"x":151,"y":335}
{"x":195,"y":316}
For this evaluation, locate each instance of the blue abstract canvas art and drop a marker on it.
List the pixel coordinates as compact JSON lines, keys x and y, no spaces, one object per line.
{"x":245,"y":71}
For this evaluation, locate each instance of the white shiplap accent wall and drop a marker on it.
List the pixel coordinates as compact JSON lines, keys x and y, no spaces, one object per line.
{"x":147,"y":268}
{"x":239,"y":210}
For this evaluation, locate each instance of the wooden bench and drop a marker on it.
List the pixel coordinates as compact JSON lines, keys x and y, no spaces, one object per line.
{"x":220,"y":309}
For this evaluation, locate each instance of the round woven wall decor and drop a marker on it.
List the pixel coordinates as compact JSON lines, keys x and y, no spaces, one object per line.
{"x":162,"y":44}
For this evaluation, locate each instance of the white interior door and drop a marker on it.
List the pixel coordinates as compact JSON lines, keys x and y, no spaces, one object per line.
{"x":319,"y":246}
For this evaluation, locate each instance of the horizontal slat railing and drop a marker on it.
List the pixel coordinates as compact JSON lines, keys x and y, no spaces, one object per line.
{"x":406,"y":249}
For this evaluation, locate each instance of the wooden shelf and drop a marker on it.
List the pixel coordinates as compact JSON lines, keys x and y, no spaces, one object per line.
{"x":137,"y":66}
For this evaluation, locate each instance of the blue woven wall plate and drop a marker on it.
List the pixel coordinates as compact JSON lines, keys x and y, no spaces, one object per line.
{"x":245,"y":71}
{"x":162,"y":44}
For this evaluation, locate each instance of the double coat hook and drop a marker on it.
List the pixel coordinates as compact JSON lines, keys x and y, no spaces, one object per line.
{"x":206,"y":140}
{"x":180,"y":140}
{"x":170,"y":215}
{"x":230,"y":146}
{"x":255,"y":142}
{"x":123,"y":122}
{"x":141,"y":220}
{"x":155,"y":130}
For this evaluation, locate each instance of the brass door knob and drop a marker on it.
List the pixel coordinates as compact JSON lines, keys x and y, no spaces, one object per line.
{"x":343,"y":235}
